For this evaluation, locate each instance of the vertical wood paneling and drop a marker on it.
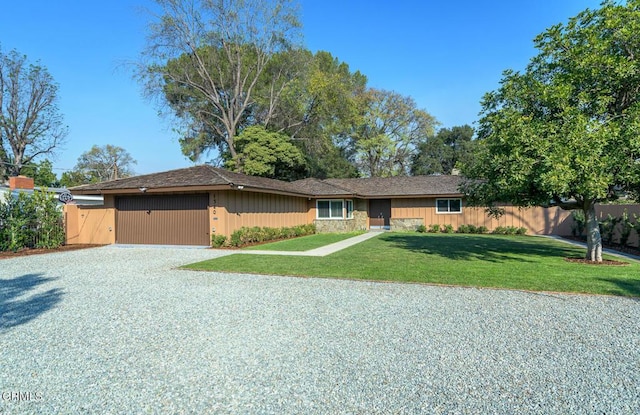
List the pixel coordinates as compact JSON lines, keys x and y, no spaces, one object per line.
{"x":537,"y":220}
{"x":163,"y":219}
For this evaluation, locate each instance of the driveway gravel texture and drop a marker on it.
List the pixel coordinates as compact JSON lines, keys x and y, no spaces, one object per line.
{"x":116,"y":330}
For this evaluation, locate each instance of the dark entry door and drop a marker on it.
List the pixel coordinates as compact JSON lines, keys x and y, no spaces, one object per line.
{"x":163,"y":219}
{"x":379,"y":213}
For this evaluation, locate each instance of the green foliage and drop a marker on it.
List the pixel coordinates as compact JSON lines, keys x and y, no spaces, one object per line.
{"x":441,"y":153}
{"x":626,"y":227}
{"x":608,"y":228}
{"x":566,"y":131}
{"x":218,"y":240}
{"x":389,"y":130}
{"x":30,"y":222}
{"x":509,"y":230}
{"x":421,"y":229}
{"x":267,"y":154}
{"x":579,"y":223}
{"x":473,"y":229}
{"x":448,"y":228}
{"x":247,"y":236}
{"x":435,"y":228}
{"x":42,"y":173}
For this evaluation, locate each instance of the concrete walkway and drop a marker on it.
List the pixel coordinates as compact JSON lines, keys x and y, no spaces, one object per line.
{"x":322,"y":251}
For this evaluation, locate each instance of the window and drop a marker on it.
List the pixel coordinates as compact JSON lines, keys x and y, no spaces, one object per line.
{"x":334,"y":209}
{"x":448,"y":205}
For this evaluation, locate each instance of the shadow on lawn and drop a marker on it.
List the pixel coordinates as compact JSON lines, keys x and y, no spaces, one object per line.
{"x":478,"y":247}
{"x":17,"y":307}
{"x":626,"y":287}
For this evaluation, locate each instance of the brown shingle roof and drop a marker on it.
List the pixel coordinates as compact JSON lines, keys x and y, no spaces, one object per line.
{"x":401,"y":186}
{"x":208,"y":176}
{"x":189,"y":177}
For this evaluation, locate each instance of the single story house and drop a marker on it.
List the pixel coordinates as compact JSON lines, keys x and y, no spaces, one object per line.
{"x":187,"y":206}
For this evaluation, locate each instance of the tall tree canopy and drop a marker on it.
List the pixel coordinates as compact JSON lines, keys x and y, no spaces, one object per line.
{"x":267,"y":154}
{"x":100,"y":163}
{"x":389,"y":132}
{"x":441,"y":153}
{"x":30,"y":122}
{"x":215,"y":60}
{"x":566,"y":131}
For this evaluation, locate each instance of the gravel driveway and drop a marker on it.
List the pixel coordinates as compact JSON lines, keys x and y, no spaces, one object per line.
{"x":120,"y":330}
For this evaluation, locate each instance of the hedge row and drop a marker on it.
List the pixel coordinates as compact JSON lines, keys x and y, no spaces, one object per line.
{"x":247,"y":236}
{"x":500,"y":230}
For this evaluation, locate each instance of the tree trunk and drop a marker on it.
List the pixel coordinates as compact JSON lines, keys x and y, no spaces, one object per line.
{"x":594,"y":239}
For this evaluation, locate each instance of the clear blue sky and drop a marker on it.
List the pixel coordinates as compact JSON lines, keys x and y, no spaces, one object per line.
{"x":444,"y":54}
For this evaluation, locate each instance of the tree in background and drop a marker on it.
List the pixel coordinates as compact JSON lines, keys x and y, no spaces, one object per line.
{"x":267,"y":154}
{"x":440,"y":154}
{"x":210,"y":60}
{"x":100,"y":164}
{"x":42,"y":173}
{"x":566,"y":132}
{"x":30,"y":122}
{"x":318,"y":110}
{"x":388,"y":133}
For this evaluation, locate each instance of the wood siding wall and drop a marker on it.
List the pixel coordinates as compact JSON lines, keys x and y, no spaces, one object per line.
{"x":232,"y":210}
{"x":89,"y":224}
{"x":538,"y":221}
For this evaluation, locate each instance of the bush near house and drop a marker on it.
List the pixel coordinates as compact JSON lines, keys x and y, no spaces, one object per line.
{"x":247,"y":236}
{"x":30,"y":222}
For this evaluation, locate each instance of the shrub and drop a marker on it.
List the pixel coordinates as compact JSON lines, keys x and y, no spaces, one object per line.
{"x":463,"y":229}
{"x":256,"y":234}
{"x":509,"y":230}
{"x":482,"y":229}
{"x":30,"y":222}
{"x":447,"y":229}
{"x":608,"y":228}
{"x":421,"y":228}
{"x":579,"y":223}
{"x":435,"y":228}
{"x":218,"y":240}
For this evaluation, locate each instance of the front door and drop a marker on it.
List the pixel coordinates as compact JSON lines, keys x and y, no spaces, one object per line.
{"x":379,"y":213}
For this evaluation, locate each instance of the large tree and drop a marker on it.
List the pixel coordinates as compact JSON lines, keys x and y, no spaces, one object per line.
{"x":388,"y":133}
{"x":319,"y":110}
{"x":267,"y":154}
{"x":442,"y":153}
{"x":100,"y":163}
{"x":211,"y":60}
{"x":566,"y":131}
{"x":30,"y":122}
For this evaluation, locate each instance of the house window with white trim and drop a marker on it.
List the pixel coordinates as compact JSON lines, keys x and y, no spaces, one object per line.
{"x":448,"y":205}
{"x":334,"y":209}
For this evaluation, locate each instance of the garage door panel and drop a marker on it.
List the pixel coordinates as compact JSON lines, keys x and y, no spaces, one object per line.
{"x":163,"y":219}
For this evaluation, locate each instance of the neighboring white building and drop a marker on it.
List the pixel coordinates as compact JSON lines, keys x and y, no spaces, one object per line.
{"x":22,"y":184}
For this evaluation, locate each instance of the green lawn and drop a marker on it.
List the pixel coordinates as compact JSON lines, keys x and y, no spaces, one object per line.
{"x":304,"y":243}
{"x":527,"y":263}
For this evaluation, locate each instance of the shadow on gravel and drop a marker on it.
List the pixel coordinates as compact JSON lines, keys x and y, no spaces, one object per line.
{"x":473,"y":247}
{"x":19,"y":306}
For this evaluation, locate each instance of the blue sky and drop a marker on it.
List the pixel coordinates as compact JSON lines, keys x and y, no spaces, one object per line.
{"x":445,"y":55}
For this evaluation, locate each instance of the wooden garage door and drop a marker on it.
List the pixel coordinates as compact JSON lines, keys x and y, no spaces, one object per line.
{"x":163,"y":219}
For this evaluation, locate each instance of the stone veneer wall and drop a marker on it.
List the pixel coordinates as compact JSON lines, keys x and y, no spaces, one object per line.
{"x":358,"y":223}
{"x":405,"y":224}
